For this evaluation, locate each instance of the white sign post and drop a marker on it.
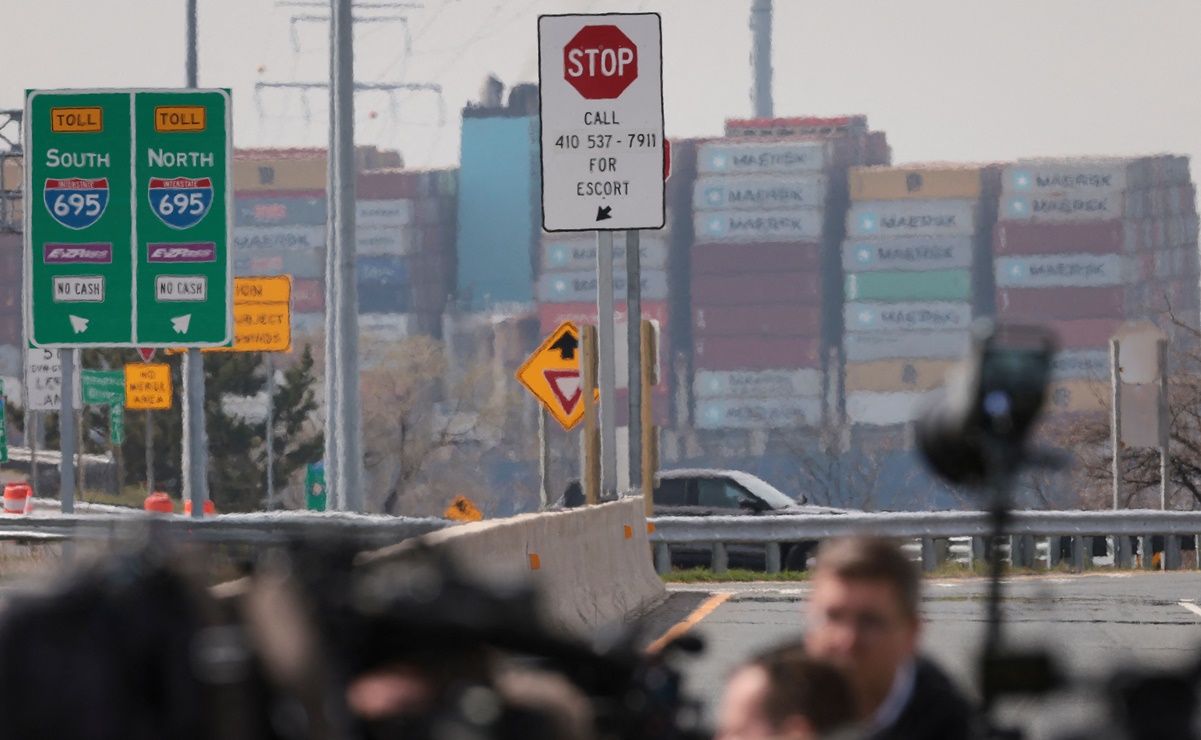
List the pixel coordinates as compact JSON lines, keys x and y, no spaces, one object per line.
{"x":603,"y":159}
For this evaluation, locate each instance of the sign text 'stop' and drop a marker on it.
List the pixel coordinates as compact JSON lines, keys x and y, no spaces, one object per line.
{"x":600,"y":62}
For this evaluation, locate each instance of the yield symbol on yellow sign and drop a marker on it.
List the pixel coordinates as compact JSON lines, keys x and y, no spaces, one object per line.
{"x":148,"y":387}
{"x":552,"y":374}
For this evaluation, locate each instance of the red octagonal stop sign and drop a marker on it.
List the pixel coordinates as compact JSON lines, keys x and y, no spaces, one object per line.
{"x":600,"y":62}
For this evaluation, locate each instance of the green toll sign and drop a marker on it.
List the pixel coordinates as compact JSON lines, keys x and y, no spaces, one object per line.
{"x":128,"y":229}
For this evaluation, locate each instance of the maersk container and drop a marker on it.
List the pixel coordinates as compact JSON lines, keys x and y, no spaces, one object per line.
{"x":1083,"y":333}
{"x":768,"y":320}
{"x":883,"y":218}
{"x":759,"y":193}
{"x":922,"y":182}
{"x":896,"y":375}
{"x":1100,"y":237}
{"x":372,"y":270}
{"x":1059,"y":271}
{"x":280,"y":209}
{"x":758,"y":413}
{"x":756,"y":353}
{"x":1073,"y":177}
{"x":756,"y":290}
{"x":1048,"y":209}
{"x":578,"y":287}
{"x":930,"y":285}
{"x":380,"y":241}
{"x":376,"y":298}
{"x":299,"y":263}
{"x":551,"y":315}
{"x":1081,"y":364}
{"x":761,"y":384}
{"x":872,"y":408}
{"x":908,"y":253}
{"x":860,"y":317}
{"x":1038,"y":304}
{"x":932,"y":345}
{"x":383,"y":214}
{"x":278,"y":237}
{"x":567,"y":252}
{"x":795,"y":225}
{"x":755,"y":257}
{"x":733,"y":158}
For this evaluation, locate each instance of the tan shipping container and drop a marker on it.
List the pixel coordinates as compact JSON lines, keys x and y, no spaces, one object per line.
{"x":896,"y":375}
{"x":916,"y":183}
{"x":279,"y":174}
{"x":12,"y":173}
{"x":1077,"y":396}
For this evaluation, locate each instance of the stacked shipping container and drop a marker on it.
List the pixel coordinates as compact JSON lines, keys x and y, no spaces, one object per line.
{"x":11,"y":273}
{"x":1086,"y":244}
{"x":916,"y":272}
{"x":767,"y":212}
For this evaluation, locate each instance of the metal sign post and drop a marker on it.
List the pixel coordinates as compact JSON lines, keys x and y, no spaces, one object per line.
{"x":634,"y":352}
{"x":603,"y":155}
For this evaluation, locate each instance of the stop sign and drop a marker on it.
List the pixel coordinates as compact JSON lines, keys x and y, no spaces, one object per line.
{"x":600,"y":62}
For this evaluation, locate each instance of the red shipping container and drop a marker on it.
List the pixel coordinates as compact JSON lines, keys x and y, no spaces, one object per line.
{"x":776,"y":320}
{"x":550,"y":315}
{"x":1100,"y":237}
{"x":10,"y":265}
{"x":733,"y":259}
{"x":1085,"y":333}
{"x":659,"y":407}
{"x":308,"y":296}
{"x":1048,"y":304}
{"x":10,"y":329}
{"x":756,"y":353}
{"x":751,"y":290}
{"x":278,"y":194}
{"x":387,"y":185}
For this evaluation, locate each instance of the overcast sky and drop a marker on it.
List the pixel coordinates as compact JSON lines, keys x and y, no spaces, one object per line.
{"x":960,"y":80}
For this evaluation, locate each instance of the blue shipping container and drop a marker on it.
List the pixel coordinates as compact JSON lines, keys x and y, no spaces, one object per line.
{"x":499,"y":210}
{"x":377,"y":270}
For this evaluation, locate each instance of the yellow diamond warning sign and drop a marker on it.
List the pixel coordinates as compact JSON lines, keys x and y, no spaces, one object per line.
{"x":552,"y":374}
{"x":147,"y":387}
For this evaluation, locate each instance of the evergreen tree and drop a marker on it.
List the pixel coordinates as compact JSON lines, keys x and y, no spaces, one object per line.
{"x":298,"y":441}
{"x":235,"y":475}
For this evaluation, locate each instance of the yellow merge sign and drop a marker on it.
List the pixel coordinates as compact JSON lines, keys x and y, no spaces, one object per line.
{"x":147,"y":387}
{"x":552,"y":374}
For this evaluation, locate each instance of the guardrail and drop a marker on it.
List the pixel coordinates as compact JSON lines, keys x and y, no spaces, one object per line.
{"x":934,"y":530}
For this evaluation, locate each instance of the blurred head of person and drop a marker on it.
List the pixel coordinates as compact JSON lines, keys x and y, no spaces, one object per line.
{"x":864,"y":614}
{"x":783,"y":694}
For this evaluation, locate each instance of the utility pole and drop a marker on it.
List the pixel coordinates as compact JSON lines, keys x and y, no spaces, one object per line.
{"x":195,"y":446}
{"x":761,"y":102}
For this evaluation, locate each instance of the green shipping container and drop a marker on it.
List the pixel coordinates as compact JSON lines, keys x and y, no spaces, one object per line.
{"x":931,"y":285}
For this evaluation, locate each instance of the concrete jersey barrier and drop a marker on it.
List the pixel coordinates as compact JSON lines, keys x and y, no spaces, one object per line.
{"x":592,"y":566}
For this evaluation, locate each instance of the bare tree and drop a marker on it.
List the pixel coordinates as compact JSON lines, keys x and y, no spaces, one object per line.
{"x":833,"y":468}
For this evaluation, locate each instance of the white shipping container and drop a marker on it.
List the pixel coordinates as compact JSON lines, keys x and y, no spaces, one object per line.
{"x":1063,"y":209}
{"x":757,"y":384}
{"x":567,"y":253}
{"x":798,"y":225}
{"x":390,"y":214}
{"x":1080,"y":364}
{"x":902,"y":316}
{"x":278,"y":237}
{"x":381,"y":242}
{"x":884,"y":218}
{"x":1060,"y":271}
{"x":903,"y":345}
{"x":759,"y":192}
{"x":722,"y":158}
{"x":580,"y":287}
{"x":758,"y":413}
{"x":1079,"y":177}
{"x":871,"y":408}
{"x":907,"y":253}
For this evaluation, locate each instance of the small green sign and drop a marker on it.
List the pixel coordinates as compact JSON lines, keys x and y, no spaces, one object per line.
{"x":116,"y":425}
{"x":103,"y":387}
{"x":3,"y":425}
{"x":314,"y":487}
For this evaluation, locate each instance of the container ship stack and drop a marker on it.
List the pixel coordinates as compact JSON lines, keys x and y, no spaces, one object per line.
{"x":12,"y":271}
{"x":768,"y":207}
{"x":917,"y":271}
{"x":1084,"y":245}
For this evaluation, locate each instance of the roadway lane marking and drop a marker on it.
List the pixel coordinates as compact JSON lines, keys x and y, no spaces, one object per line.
{"x":688,"y":623}
{"x":1191,"y":607}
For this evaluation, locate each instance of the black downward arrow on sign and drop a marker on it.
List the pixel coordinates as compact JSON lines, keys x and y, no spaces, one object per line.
{"x":566,"y":345}
{"x":602,"y":214}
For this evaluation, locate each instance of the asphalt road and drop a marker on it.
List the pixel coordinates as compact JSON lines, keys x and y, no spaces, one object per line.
{"x":1093,"y":625}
